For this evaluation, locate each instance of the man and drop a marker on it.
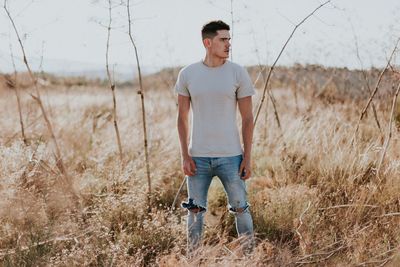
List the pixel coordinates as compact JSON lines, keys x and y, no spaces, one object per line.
{"x":213,"y":88}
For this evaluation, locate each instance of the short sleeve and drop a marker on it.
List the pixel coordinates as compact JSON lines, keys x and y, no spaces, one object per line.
{"x":245,"y":84}
{"x":181,"y":85}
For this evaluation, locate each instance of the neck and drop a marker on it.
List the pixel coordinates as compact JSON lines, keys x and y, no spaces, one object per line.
{"x":213,"y":61}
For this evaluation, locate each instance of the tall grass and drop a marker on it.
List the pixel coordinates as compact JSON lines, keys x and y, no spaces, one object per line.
{"x":320,"y":202}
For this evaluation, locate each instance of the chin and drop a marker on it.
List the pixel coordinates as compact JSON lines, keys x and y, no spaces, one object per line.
{"x":224,"y":56}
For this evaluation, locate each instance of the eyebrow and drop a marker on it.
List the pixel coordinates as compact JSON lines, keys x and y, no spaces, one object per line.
{"x":225,"y":38}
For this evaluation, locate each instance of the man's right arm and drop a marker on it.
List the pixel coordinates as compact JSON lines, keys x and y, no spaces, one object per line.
{"x":188,"y":165}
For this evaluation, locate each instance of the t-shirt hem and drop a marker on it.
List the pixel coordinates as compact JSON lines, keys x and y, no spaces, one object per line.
{"x":216,"y":155}
{"x":181,"y":93}
{"x":246,"y":94}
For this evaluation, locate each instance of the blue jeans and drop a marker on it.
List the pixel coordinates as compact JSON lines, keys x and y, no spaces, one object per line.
{"x":226,"y":168}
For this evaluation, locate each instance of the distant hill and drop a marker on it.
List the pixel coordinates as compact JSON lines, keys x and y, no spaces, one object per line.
{"x":73,"y":68}
{"x":314,"y":79}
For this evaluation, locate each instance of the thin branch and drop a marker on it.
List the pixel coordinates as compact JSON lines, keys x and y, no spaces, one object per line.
{"x":17,"y":95}
{"x":374,"y":92}
{"x":349,"y":206}
{"x":278,"y":121}
{"x":327,"y":254}
{"x":259,"y":75}
{"x":388,"y":215}
{"x":112,"y":84}
{"x":301,"y":223}
{"x":141,"y":93}
{"x":389,"y":131}
{"x":59,"y":161}
{"x":365,"y":78}
{"x":284,"y":17}
{"x":177,"y":193}
{"x":266,"y":120}
{"x":279,"y":55}
{"x":261,"y":68}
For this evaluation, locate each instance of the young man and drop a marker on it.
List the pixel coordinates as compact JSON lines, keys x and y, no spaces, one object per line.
{"x":213,"y":88}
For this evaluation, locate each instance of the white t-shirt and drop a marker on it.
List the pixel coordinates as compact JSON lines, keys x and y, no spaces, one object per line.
{"x":213,"y":94}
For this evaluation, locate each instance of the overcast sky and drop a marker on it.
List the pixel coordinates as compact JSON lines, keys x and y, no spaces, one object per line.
{"x":70,"y":37}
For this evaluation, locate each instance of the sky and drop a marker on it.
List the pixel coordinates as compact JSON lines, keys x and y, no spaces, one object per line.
{"x":70,"y":36}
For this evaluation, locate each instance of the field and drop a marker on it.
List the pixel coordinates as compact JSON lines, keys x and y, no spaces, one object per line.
{"x":316,"y":197}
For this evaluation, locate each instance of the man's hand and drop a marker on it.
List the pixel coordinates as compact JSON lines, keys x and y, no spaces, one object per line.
{"x":245,"y":169}
{"x":188,"y":166}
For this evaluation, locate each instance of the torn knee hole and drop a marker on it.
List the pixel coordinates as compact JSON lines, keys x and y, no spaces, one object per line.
{"x":192,"y":207}
{"x":195,"y":210}
{"x":239,"y":210}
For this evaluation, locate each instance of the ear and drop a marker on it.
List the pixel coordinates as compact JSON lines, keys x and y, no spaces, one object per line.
{"x":207,"y":42}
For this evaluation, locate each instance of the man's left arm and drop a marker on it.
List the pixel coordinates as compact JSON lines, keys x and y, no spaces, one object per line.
{"x":246,"y":112}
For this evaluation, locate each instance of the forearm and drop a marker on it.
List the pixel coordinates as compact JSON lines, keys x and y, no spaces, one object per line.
{"x":247,"y":134}
{"x":183,"y":131}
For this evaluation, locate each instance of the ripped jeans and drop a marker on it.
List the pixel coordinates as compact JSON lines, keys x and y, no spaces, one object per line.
{"x":226,"y":168}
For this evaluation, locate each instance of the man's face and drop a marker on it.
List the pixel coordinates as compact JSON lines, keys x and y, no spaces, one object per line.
{"x":220,"y":44}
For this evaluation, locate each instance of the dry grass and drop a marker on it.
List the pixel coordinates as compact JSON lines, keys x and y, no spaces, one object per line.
{"x":318,"y":203}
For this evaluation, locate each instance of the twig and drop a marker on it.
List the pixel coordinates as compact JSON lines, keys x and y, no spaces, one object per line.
{"x":112,"y":84}
{"x":266,"y":120}
{"x":230,"y":252}
{"x":348,"y":205}
{"x":279,"y":55}
{"x":60,"y":163}
{"x":301,"y":222}
{"x":17,"y":95}
{"x":365,"y":79}
{"x":388,"y":215}
{"x":141,"y":93}
{"x":389,"y":131}
{"x":386,"y":146}
{"x":260,"y":74}
{"x":374,"y":92}
{"x":177,"y":193}
{"x":266,"y":88}
{"x":329,"y":254}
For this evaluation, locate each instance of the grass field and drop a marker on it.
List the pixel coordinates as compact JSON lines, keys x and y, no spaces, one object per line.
{"x":318,"y":202}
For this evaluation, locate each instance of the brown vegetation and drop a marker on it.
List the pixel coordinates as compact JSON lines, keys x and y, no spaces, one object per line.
{"x":321,"y":202}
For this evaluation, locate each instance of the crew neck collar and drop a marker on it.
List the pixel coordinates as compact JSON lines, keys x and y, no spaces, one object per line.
{"x":217,"y":67}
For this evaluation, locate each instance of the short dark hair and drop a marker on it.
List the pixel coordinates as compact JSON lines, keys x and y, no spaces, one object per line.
{"x":210,"y":29}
